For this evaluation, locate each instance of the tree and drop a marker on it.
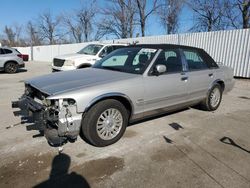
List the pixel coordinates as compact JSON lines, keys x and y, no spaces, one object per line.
{"x":49,"y":27}
{"x":244,"y":7}
{"x":118,"y":20}
{"x":32,"y":33}
{"x":86,"y":16}
{"x":143,"y":14}
{"x":81,"y":23}
{"x":208,"y":14}
{"x":169,"y":14}
{"x":237,"y":13}
{"x":12,"y":35}
{"x":74,"y":27}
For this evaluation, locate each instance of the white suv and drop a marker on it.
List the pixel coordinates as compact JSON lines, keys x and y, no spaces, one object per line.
{"x":10,"y":60}
{"x":86,"y":57}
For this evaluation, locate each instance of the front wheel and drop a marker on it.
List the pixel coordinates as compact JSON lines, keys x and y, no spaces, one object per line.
{"x":213,"y":100}
{"x":105,"y":123}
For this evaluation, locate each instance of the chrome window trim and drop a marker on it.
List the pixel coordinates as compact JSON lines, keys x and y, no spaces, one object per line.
{"x":146,"y":72}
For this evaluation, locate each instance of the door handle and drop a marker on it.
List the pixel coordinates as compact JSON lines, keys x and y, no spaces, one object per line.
{"x":184,"y":78}
{"x":210,"y":74}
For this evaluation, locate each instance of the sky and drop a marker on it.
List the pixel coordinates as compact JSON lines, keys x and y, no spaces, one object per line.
{"x":21,"y":11}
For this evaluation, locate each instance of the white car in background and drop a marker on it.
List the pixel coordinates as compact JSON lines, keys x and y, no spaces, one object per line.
{"x":86,"y":57}
{"x":11,"y":60}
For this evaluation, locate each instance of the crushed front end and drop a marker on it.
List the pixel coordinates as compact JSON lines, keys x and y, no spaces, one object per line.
{"x":57,"y":119}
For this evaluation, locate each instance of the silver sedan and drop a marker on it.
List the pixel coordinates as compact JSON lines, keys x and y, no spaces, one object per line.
{"x":129,"y":84}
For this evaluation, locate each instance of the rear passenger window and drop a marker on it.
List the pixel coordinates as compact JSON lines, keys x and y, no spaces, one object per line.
{"x":194,"y":60}
{"x":171,"y":59}
{"x":1,"y":51}
{"x":7,"y":51}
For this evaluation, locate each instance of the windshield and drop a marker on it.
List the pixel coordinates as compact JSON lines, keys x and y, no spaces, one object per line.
{"x":91,"y":49}
{"x":131,"y":60}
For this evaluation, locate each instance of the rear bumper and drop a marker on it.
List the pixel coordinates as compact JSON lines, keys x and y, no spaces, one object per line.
{"x":21,"y":65}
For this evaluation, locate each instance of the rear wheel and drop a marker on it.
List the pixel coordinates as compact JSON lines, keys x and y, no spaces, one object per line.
{"x":213,"y":100}
{"x":10,"y":67}
{"x":105,"y":123}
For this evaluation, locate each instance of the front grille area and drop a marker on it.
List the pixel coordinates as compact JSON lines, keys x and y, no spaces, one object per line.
{"x":58,"y":62}
{"x":34,"y":93}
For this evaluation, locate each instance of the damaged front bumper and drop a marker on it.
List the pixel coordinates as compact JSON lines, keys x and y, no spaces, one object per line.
{"x":59,"y":121}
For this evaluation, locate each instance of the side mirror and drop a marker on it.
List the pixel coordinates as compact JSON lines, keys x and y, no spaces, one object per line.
{"x":160,"y":69}
{"x":103,"y":55}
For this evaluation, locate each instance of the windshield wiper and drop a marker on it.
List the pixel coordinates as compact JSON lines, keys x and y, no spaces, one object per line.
{"x":83,"y":53}
{"x":111,"y":68}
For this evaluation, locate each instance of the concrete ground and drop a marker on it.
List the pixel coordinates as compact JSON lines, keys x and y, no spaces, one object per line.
{"x":190,"y":148}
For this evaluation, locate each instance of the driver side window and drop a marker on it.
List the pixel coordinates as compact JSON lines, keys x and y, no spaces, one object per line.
{"x":106,"y":51}
{"x":142,"y":58}
{"x":171,"y":59}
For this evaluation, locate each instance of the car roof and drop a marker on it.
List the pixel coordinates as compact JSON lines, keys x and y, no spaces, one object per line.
{"x":114,"y":44}
{"x":5,"y":47}
{"x":164,"y":46}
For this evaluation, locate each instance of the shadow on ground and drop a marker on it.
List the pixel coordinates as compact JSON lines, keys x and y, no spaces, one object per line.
{"x":168,"y":140}
{"x":176,"y":126}
{"x":229,"y":141}
{"x":60,"y":177}
{"x":18,"y":71}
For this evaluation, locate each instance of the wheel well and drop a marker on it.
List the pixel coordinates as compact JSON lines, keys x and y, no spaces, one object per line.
{"x":84,"y":66}
{"x":221,"y":84}
{"x":10,"y":62}
{"x":121,"y":99}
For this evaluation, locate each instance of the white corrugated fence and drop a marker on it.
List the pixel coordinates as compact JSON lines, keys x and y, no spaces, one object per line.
{"x":231,"y":48}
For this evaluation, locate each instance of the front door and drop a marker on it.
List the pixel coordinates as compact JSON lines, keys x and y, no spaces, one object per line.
{"x":168,"y":89}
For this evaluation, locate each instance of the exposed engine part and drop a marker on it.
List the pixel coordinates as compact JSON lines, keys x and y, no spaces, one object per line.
{"x":58,"y":119}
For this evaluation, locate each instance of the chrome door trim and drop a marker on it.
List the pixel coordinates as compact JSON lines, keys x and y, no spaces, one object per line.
{"x":139,"y":103}
{"x":160,"y":111}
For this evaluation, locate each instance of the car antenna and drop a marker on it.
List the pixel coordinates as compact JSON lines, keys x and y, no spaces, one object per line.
{"x":134,"y":42}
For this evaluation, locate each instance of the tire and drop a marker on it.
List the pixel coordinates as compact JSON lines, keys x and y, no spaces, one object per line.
{"x":105,"y":123}
{"x":10,"y":67}
{"x":213,"y":100}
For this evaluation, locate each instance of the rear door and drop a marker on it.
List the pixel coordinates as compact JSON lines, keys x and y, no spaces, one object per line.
{"x":200,"y":76}
{"x":168,"y":89}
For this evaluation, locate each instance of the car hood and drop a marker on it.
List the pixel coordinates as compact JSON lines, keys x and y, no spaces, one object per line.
{"x":74,"y":56}
{"x":60,"y":82}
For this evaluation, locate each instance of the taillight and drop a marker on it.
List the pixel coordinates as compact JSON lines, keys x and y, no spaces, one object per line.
{"x":20,"y":55}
